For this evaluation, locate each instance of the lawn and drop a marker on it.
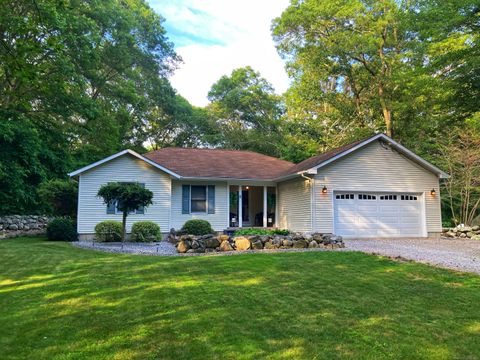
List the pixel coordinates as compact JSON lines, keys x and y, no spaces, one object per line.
{"x":61,"y":302}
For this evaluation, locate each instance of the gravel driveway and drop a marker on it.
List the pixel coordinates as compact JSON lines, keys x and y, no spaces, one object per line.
{"x":457,"y":254}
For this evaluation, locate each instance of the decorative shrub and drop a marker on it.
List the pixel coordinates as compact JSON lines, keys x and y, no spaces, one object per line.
{"x":197,"y":227}
{"x":60,"y":196}
{"x":108,"y":230}
{"x":144,"y":231}
{"x":62,"y":229}
{"x":252,"y":231}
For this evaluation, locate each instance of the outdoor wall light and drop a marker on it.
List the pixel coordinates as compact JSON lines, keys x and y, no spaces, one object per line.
{"x":324,"y":189}
{"x":433,"y":192}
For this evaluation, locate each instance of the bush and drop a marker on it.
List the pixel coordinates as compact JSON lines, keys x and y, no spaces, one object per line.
{"x":62,"y":229}
{"x":197,"y":227}
{"x":145,"y":231}
{"x":108,"y":230}
{"x":60,"y":196}
{"x":246,"y":232}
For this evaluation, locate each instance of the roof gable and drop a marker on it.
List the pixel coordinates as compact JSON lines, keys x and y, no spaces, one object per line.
{"x":122,"y":153}
{"x":314,"y":163}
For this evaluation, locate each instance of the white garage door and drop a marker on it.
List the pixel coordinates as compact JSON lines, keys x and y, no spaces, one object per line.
{"x":378,"y":214}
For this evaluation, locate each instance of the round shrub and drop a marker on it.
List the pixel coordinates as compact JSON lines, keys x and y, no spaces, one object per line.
{"x":62,"y":229}
{"x":197,"y":227}
{"x":144,"y":231}
{"x":108,"y":230}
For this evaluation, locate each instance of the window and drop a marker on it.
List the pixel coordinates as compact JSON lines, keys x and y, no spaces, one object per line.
{"x":344,"y":196}
{"x":408,"y":197}
{"x":198,"y":199}
{"x":388,"y":197}
{"x":366,"y":197}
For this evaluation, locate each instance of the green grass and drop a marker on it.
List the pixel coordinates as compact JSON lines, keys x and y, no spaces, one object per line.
{"x":61,"y":302}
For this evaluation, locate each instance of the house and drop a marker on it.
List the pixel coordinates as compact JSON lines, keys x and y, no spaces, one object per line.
{"x":370,"y":188}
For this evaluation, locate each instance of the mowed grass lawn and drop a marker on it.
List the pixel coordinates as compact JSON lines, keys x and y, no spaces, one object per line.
{"x":61,"y":302}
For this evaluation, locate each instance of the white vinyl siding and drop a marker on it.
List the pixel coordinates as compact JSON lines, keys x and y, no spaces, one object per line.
{"x":92,"y":210}
{"x":217,"y":220}
{"x":375,"y":168}
{"x":294,"y":205}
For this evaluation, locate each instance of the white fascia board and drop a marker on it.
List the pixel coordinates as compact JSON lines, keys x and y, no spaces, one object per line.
{"x":121,"y":153}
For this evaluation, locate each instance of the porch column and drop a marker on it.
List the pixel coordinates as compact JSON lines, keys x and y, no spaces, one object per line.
{"x":240,"y":206}
{"x":265,"y":206}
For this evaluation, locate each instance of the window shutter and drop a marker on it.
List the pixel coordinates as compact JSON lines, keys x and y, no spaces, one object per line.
{"x":185,"y":199}
{"x":111,"y":207}
{"x":211,"y":199}
{"x":141,"y":209}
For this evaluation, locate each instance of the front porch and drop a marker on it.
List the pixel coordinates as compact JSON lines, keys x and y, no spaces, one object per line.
{"x":252,"y":206}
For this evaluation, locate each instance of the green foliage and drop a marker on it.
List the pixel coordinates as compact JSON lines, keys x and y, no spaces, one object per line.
{"x":61,"y":196}
{"x":62,"y":229}
{"x":246,"y":112}
{"x":197,"y":227}
{"x":146,"y":231}
{"x":254,"y":231}
{"x":79,"y":81}
{"x":108,"y":230}
{"x":128,"y":196}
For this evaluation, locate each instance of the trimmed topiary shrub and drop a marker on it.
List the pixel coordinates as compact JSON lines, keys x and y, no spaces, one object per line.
{"x":145,"y":231}
{"x":108,"y":230}
{"x":62,"y":229}
{"x":197,"y":227}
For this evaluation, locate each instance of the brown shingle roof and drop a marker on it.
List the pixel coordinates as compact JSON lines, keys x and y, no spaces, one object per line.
{"x":216,"y":163}
{"x":234,"y":164}
{"x":318,"y":159}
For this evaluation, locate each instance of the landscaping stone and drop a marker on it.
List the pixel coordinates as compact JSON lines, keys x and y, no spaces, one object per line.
{"x":212,"y":243}
{"x":313,"y":244}
{"x":300,"y":243}
{"x":257,"y":245}
{"x":183,"y":246}
{"x":241,"y":243}
{"x":225,"y":246}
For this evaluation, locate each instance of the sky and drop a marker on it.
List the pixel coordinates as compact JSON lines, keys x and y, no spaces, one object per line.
{"x":214,"y":37}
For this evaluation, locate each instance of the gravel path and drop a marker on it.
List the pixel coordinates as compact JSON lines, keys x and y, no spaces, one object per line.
{"x":457,"y":254}
{"x":163,"y":248}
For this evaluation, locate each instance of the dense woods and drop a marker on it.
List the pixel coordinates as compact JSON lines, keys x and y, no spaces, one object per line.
{"x":82,"y":80}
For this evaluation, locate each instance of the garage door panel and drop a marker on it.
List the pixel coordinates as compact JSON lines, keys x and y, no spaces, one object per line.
{"x":378,"y":215}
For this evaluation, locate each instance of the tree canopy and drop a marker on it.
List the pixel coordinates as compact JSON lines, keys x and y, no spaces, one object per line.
{"x":82,"y":80}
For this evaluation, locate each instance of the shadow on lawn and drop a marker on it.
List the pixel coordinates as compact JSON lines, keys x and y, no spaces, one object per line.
{"x":58,"y":300}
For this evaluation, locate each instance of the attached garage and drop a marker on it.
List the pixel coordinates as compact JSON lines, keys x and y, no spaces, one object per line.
{"x":379,"y":214}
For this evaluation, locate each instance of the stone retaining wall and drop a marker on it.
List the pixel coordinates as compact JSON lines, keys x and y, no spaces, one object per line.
{"x":20,"y":225}
{"x":217,"y":243}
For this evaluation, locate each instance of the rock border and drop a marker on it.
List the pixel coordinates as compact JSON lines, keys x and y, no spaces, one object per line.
{"x":211,"y":243}
{"x":462,"y":232}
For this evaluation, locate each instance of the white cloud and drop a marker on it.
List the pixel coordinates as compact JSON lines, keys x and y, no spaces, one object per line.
{"x":214,"y":37}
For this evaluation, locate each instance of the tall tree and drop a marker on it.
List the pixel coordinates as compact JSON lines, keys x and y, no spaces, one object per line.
{"x":343,"y":56}
{"x":246,"y":111}
{"x":78,"y":79}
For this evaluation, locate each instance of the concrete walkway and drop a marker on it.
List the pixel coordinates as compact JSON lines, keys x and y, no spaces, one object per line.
{"x":456,"y":254}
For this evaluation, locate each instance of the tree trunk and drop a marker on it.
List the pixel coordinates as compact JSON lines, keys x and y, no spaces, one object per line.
{"x":387,"y":113}
{"x":124,"y":225}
